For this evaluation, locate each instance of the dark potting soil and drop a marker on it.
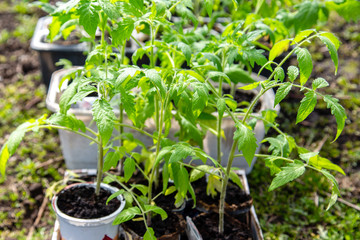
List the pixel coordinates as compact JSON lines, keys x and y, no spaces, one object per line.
{"x":169,"y":229}
{"x":81,"y":202}
{"x":207,"y":224}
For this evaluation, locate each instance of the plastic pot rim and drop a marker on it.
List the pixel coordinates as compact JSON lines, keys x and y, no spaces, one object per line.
{"x":90,"y":221}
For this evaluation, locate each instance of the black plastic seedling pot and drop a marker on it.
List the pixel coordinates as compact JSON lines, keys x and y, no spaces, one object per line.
{"x":50,"y":53}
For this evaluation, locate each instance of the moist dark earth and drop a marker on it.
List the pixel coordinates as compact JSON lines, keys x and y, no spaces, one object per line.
{"x":82,"y":202}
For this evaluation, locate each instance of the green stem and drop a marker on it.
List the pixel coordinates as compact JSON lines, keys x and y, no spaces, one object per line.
{"x":137,"y":129}
{"x":100,"y":166}
{"x":133,"y":197}
{"x":219,"y":120}
{"x":70,"y":130}
{"x":223,"y":188}
{"x":152,"y":35}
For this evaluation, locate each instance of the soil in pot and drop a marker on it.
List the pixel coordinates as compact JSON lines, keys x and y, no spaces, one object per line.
{"x":82,"y":202}
{"x":237,"y":201}
{"x":169,"y":229}
{"x":207,"y":224}
{"x":206,"y":214}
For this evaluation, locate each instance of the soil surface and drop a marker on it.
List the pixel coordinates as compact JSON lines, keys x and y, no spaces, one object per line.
{"x":207,"y":225}
{"x":82,"y":202}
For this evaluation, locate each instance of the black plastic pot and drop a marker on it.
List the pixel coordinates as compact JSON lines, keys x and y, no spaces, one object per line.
{"x":249,"y":213}
{"x":50,"y":53}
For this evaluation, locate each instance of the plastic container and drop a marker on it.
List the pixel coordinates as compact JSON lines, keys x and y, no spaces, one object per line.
{"x":210,"y":141}
{"x":193,"y":233}
{"x":50,"y":53}
{"x":90,"y":229}
{"x":78,"y":151}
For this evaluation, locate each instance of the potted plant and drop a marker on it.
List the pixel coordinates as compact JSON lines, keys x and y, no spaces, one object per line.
{"x":168,"y":91}
{"x":281,"y":163}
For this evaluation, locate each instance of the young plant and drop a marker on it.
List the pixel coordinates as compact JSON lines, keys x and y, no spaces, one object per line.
{"x":279,"y":160}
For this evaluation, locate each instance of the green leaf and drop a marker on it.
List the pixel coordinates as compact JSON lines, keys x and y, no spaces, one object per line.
{"x":125,"y":75}
{"x":231,"y":103}
{"x":156,"y":209}
{"x":127,"y":99}
{"x":332,"y":180}
{"x":307,"y":15}
{"x":4,"y":156}
{"x":181,"y":178}
{"x":305,"y":64}
{"x":250,"y":86}
{"x":170,"y":190}
{"x":319,"y":83}
{"x":338,"y":111}
{"x":110,"y":9}
{"x":307,"y":106}
{"x":332,"y":38}
{"x":129,"y":168}
{"x":9,"y":148}
{"x":332,"y":50}
{"x":138,"y":4}
{"x":163,"y":152}
{"x":181,"y":152}
{"x":114,"y":195}
{"x":246,"y":141}
{"x":104,"y":118}
{"x":83,"y":92}
{"x":236,"y":179}
{"x":279,"y":146}
{"x":123,"y":31}
{"x":89,"y":17}
{"x":269,"y":115}
{"x":126,"y":215}
{"x":111,"y":160}
{"x":216,"y":75}
{"x":155,"y":78}
{"x":214,"y":59}
{"x":306,"y":156}
{"x":138,"y":54}
{"x":287,"y":174}
{"x":346,"y":9}
{"x":254,"y":56}
{"x":142,"y":188}
{"x":68,"y":120}
{"x":67,"y":95}
{"x":282,"y":92}
{"x":302,"y":35}
{"x":333,"y":200}
{"x":190,"y":130}
{"x":335,"y":188}
{"x":237,"y":75}
{"x":320,"y":162}
{"x":279,"y":48}
{"x":279,"y":74}
{"x":209,"y":4}
{"x":221,"y":106}
{"x":186,"y":50}
{"x":149,"y":234}
{"x":293,"y":73}
{"x":199,"y":99}
{"x":198,"y":172}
